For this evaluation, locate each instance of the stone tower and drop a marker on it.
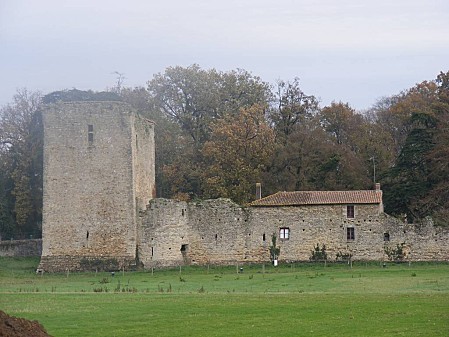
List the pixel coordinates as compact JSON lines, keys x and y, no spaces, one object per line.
{"x":98,"y":174}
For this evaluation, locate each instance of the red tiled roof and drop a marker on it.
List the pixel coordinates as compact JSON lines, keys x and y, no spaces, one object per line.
{"x":320,"y":198}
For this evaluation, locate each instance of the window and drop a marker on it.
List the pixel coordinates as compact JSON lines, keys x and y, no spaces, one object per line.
{"x":350,"y":211}
{"x":90,"y":133}
{"x":284,"y":233}
{"x":386,"y":236}
{"x":350,"y":233}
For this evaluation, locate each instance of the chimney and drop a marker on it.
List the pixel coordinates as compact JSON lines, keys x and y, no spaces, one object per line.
{"x":258,"y":191}
{"x":379,"y":192}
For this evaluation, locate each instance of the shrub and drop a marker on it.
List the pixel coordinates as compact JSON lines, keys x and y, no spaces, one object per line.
{"x":395,"y":254}
{"x":274,"y":251}
{"x":343,"y":256}
{"x":319,"y":254}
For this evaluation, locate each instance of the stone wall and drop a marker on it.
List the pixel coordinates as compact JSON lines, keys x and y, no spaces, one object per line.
{"x":143,"y":161}
{"x":62,"y":263}
{"x":13,"y":248}
{"x":97,"y":174}
{"x":221,"y":232}
{"x":175,"y":232}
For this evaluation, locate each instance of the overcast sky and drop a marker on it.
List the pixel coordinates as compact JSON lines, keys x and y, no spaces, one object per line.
{"x":354,"y":51}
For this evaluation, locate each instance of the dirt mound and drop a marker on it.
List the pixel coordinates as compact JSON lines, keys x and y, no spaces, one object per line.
{"x":19,"y":327}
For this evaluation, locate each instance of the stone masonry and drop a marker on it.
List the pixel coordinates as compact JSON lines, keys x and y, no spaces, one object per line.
{"x":222,"y":232}
{"x":99,"y":189}
{"x":98,"y":174}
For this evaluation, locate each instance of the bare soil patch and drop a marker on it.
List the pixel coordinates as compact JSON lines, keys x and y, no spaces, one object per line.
{"x":20,"y":327}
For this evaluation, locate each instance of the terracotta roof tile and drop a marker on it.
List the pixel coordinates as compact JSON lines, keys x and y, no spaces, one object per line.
{"x":320,"y":198}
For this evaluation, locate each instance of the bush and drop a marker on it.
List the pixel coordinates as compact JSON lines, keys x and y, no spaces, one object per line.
{"x":319,"y":254}
{"x":343,"y":256}
{"x":274,"y":251}
{"x":395,"y":254}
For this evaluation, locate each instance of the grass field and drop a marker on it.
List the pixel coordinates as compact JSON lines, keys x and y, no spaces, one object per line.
{"x":290,"y":300}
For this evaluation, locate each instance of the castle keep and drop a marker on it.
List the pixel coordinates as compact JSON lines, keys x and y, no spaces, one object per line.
{"x":99,"y":205}
{"x":98,"y":175}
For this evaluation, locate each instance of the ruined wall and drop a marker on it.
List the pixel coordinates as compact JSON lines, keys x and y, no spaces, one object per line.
{"x":143,"y":160}
{"x":219,"y":231}
{"x":90,"y":176}
{"x":13,"y":248}
{"x":175,"y":232}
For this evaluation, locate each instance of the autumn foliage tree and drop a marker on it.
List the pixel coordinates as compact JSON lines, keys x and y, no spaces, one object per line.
{"x":237,"y":154}
{"x":417,"y":184}
{"x":195,"y":99}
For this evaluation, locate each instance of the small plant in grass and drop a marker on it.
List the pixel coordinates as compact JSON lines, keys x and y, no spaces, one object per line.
{"x":319,"y":254}
{"x":201,"y":290}
{"x":104,"y":280}
{"x":274,"y":251}
{"x":101,"y":289}
{"x":117,"y":289}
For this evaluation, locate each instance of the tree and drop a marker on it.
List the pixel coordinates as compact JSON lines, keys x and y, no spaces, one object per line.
{"x":21,"y":148}
{"x":291,"y":106}
{"x":194,"y":97}
{"x":274,"y":250}
{"x":416,"y":186}
{"x":393,"y":114}
{"x":407,"y":182}
{"x":6,"y":201}
{"x":237,"y":154}
{"x":341,"y":122}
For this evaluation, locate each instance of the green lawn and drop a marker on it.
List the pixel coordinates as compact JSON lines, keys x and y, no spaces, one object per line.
{"x":293,"y":300}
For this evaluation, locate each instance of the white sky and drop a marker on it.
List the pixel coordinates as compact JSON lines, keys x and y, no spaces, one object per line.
{"x":355,"y":51}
